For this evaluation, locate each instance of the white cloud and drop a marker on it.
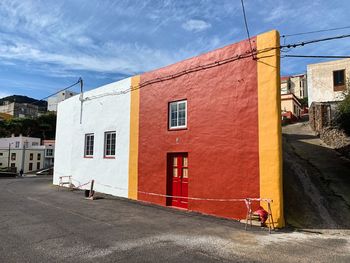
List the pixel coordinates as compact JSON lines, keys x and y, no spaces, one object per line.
{"x":4,"y":94}
{"x":195,"y":25}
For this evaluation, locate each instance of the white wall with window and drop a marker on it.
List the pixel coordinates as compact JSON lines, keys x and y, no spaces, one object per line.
{"x":108,"y":119}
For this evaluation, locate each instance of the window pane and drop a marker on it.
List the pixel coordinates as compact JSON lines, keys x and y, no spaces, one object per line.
{"x":174,"y":172}
{"x":182,"y":106}
{"x":185,"y":162}
{"x":184,"y":172}
{"x":174,"y":161}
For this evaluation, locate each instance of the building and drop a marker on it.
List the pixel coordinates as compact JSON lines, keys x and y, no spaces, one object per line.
{"x":49,"y":152}
{"x":293,"y":89}
{"x":296,"y":85}
{"x":61,"y":96}
{"x":185,"y":135}
{"x":291,"y":107}
{"x":19,"y":110}
{"x":327,"y":80}
{"x":25,"y":153}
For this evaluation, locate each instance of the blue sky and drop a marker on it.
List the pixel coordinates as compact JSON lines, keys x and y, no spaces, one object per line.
{"x":47,"y":45}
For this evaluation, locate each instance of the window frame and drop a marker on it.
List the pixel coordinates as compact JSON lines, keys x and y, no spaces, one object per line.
{"x":339,"y":87}
{"x":86,"y":153}
{"x":177,"y":127}
{"x":51,"y":152}
{"x":13,"y":156}
{"x":105,"y":146}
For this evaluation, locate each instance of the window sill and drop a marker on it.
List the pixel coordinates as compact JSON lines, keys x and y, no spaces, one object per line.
{"x":339,"y":88}
{"x":177,"y":129}
{"x":109,"y":157}
{"x":88,"y":157}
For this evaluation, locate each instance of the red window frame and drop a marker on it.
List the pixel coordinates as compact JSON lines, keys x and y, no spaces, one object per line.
{"x":89,"y":153}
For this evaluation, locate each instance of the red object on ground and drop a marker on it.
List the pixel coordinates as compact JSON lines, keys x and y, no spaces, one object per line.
{"x":262,"y":214}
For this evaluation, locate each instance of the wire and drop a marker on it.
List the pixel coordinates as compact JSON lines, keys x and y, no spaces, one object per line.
{"x":213,"y":64}
{"x":80,"y":80}
{"x":247,"y":29}
{"x":313,"y":41}
{"x":311,"y":56}
{"x":316,"y":31}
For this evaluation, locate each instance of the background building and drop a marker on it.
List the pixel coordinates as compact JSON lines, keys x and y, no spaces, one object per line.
{"x":212,"y":133}
{"x":327,"y":80}
{"x":296,"y":85}
{"x":19,"y":110}
{"x":25,"y":153}
{"x":54,"y":100}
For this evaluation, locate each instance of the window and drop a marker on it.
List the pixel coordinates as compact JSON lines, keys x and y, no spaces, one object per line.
{"x":178,"y":114}
{"x":38,"y":165}
{"x":35,"y":143}
{"x":339,"y":80}
{"x":39,"y":156}
{"x":110,"y":143}
{"x":1,"y":154}
{"x":13,"y":165}
{"x":30,"y":166}
{"x":49,"y":152}
{"x":31,"y":156}
{"x":89,"y":145}
{"x":13,"y":156}
{"x":0,"y":164}
{"x":17,"y":145}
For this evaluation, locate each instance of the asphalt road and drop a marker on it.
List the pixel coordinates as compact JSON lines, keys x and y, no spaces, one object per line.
{"x":41,"y":224}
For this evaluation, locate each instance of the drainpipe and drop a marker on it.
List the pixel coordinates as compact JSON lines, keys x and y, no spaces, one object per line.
{"x":23,"y":156}
{"x":8,"y":161}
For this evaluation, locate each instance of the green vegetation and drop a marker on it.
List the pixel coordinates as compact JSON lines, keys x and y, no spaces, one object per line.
{"x":343,"y":118}
{"x":43,"y":127}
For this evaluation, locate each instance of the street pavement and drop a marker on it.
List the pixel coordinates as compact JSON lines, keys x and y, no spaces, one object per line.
{"x":41,"y":224}
{"x":316,"y":181}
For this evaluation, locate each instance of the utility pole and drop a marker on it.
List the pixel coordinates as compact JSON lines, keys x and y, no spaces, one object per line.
{"x":8,"y":159}
{"x":23,"y":155}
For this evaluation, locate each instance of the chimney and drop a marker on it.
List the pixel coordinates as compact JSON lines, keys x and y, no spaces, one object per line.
{"x":12,"y":135}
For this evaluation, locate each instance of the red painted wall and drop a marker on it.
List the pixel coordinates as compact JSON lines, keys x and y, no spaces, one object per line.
{"x":221,"y":136}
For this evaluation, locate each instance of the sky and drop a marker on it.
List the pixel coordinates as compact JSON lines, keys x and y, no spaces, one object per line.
{"x":47,"y":45}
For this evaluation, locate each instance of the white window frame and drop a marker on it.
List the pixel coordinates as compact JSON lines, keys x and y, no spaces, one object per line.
{"x":87,"y":152}
{"x":177,"y":108}
{"x":107,"y":152}
{"x":49,"y":151}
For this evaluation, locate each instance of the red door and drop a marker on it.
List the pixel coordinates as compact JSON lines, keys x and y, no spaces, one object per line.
{"x":178,"y":168}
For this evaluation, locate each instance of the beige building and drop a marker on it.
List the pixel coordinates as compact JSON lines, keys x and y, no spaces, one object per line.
{"x":296,"y":84}
{"x":19,"y":110}
{"x":53,"y":101}
{"x":25,"y":153}
{"x":290,"y":104}
{"x":327,"y":80}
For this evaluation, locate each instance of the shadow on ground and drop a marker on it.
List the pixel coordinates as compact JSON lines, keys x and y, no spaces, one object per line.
{"x":316,"y":181}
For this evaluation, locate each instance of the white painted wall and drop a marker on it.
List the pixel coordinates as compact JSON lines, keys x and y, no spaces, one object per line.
{"x":108,"y":113}
{"x":320,"y":80}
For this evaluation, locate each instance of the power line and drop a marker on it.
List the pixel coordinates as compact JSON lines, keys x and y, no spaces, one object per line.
{"x":80,"y":80}
{"x":312,"y":56}
{"x":313,"y":41}
{"x":247,"y":29}
{"x":316,"y":31}
{"x":213,"y":64}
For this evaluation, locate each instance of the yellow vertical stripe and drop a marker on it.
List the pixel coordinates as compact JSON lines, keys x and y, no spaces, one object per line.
{"x":134,"y":138}
{"x":270,"y":141}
